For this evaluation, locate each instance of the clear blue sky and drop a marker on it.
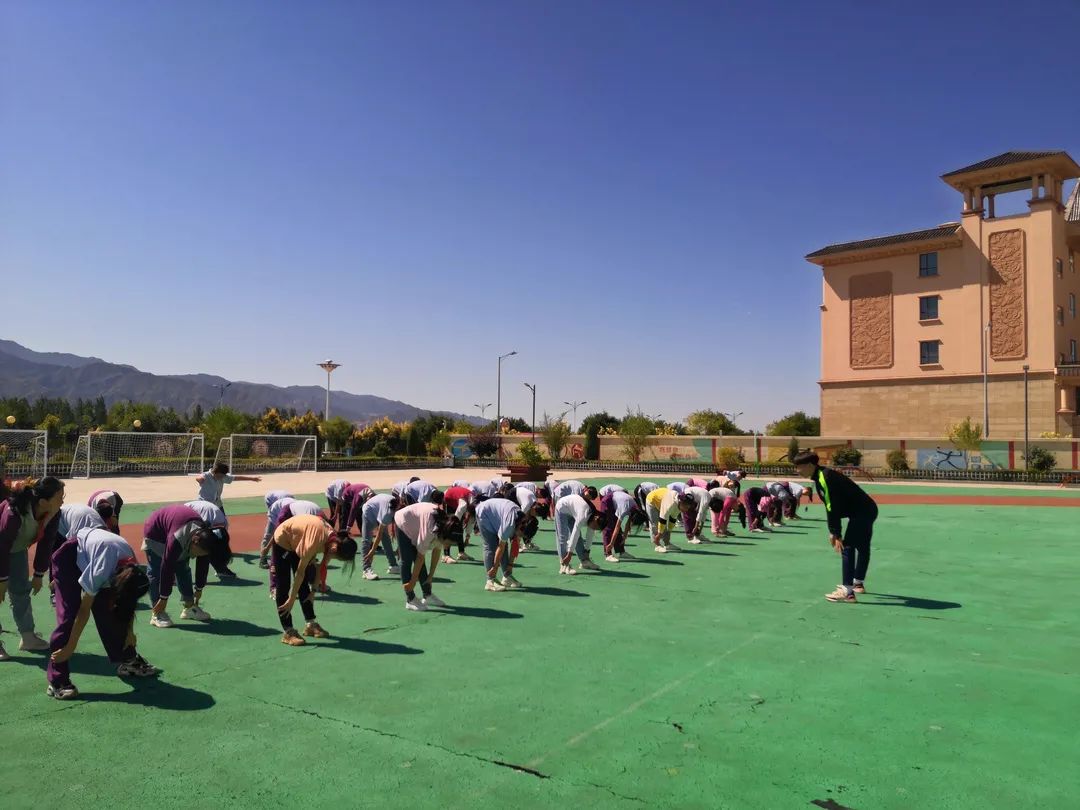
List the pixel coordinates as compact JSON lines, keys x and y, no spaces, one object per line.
{"x":610,"y":188}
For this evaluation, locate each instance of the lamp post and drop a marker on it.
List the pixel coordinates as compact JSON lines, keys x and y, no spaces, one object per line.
{"x":732,"y":416}
{"x":986,"y":368}
{"x":1026,"y":417}
{"x":482,"y":408}
{"x":575,"y":405}
{"x":498,"y":399}
{"x":221,"y":392}
{"x":532,"y":387}
{"x":328,"y":366}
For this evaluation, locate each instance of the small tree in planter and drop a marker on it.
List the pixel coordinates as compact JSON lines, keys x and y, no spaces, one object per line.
{"x":556,"y":435}
{"x":1041,"y":460}
{"x":528,"y":464}
{"x":635,"y":429}
{"x":896,"y":459}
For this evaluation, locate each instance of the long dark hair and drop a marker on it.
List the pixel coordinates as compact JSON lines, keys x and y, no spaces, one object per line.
{"x":129,"y":586}
{"x":26,"y":497}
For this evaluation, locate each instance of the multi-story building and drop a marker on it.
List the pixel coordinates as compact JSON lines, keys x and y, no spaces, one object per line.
{"x":922,"y":329}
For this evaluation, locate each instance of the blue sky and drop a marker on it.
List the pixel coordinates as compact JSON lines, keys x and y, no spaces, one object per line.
{"x":613,"y":189}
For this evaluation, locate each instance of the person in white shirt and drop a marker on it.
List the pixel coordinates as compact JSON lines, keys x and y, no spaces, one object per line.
{"x":422,"y":528}
{"x":211,"y":486}
{"x":501,"y":521}
{"x":575,"y":521}
{"x":694,"y":503}
{"x":621,"y":513}
{"x":722,"y":501}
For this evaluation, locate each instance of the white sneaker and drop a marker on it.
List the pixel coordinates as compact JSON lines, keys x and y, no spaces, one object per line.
{"x":660,"y":548}
{"x":32,"y":642}
{"x":589,"y":565}
{"x":160,"y":620}
{"x":694,"y":541}
{"x":369,"y":573}
{"x":566,"y":569}
{"x":394,"y":570}
{"x":510,"y":583}
{"x":415,"y":604}
{"x":492,"y":585}
{"x":195,"y":612}
{"x":431,"y":600}
{"x":448,"y":560}
{"x":611,"y":558}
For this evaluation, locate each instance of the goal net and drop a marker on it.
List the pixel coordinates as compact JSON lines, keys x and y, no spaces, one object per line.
{"x":23,"y":453}
{"x":116,"y":453}
{"x":254,"y":452}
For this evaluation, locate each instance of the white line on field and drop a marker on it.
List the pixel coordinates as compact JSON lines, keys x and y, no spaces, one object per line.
{"x":663,"y":690}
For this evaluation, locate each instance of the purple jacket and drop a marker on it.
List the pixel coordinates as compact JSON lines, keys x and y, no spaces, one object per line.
{"x":351,"y":505}
{"x":161,"y":527}
{"x":10,"y":523}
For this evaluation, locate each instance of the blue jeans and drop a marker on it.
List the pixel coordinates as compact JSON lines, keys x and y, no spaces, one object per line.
{"x":491,"y":545}
{"x":183,"y":577}
{"x":368,"y":533}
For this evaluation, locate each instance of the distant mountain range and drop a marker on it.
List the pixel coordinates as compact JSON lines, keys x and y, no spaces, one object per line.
{"x":30,"y":374}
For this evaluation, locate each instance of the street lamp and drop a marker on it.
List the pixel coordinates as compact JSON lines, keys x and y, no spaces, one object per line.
{"x":575,"y":405}
{"x":532,"y":387}
{"x":1026,"y":417}
{"x":221,"y":391}
{"x":328,"y":366}
{"x":498,"y":398}
{"x":482,"y":408}
{"x":986,"y":368}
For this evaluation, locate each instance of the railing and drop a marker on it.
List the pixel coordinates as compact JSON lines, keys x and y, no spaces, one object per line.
{"x":1068,"y":370}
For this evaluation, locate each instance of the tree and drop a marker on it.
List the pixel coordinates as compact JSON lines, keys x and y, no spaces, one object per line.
{"x":635,"y":430}
{"x":966,"y":435}
{"x":269,"y":421}
{"x":483,"y":441}
{"x":440,"y":443}
{"x":792,"y":449}
{"x":517,"y":425}
{"x":556,"y":435}
{"x":51,"y":425}
{"x":414,"y":442}
{"x":336,"y":432}
{"x":795,"y":424}
{"x":222,"y":421}
{"x":592,"y":442}
{"x":712,"y":423}
{"x":197,"y":414}
{"x":602,"y":420}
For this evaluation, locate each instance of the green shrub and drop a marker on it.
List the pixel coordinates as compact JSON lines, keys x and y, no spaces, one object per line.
{"x":530,"y":454}
{"x":897,"y":460}
{"x":729,"y":458}
{"x":382,"y":449}
{"x":847,"y":457}
{"x":1040,"y":460}
{"x":592,"y":442}
{"x":793,"y":448}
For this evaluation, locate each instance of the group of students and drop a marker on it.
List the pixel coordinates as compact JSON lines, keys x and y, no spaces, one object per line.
{"x":93,"y":570}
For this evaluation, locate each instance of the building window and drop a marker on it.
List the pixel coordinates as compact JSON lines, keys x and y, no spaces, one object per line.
{"x":928,"y":352}
{"x":928,"y":307}
{"x":927,"y":264}
{"x":1059,"y":266}
{"x":1060,"y":316}
{"x":1072,"y":305}
{"x":1072,"y":351}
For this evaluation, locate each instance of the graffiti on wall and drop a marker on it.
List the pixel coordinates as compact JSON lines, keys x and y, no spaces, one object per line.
{"x":991,"y":456}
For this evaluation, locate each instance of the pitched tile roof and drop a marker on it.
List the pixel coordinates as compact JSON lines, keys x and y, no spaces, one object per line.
{"x":1072,"y":207}
{"x":940,"y":232}
{"x":1004,"y":159}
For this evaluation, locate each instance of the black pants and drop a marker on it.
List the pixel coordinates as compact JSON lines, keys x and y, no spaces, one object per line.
{"x":407,"y":551}
{"x":855,"y":558}
{"x":283,"y":565}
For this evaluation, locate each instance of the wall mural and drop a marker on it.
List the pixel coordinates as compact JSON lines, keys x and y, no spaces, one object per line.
{"x":990,"y":456}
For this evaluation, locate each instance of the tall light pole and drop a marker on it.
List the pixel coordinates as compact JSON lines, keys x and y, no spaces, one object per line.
{"x":575,"y":405}
{"x":482,"y":408}
{"x":532,"y":387}
{"x":498,"y":398}
{"x":986,"y":368}
{"x":732,"y":416}
{"x":328,"y":366}
{"x":221,"y":392}
{"x":1026,"y":417}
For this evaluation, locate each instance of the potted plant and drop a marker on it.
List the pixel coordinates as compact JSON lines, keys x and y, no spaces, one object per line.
{"x":528,"y":464}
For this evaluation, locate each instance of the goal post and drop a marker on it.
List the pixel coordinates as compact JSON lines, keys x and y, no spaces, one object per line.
{"x":24,"y":453}
{"x":130,"y":453}
{"x":264,"y":452}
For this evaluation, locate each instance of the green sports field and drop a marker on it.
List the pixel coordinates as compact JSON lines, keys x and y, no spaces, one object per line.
{"x":714,"y":678}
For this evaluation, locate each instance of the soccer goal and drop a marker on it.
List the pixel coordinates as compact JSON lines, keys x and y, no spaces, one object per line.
{"x":116,"y":453}
{"x":24,"y":453}
{"x":256,"y":452}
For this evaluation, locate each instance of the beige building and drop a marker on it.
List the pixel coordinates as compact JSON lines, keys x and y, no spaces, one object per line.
{"x":909,"y":320}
